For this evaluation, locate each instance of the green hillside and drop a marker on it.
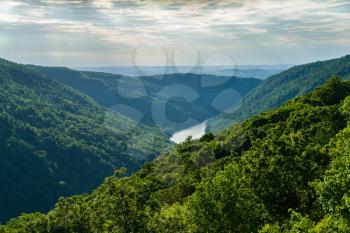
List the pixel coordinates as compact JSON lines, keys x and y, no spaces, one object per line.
{"x":166,"y":101}
{"x":277,"y":89}
{"x":286,"y":170}
{"x":55,"y":141}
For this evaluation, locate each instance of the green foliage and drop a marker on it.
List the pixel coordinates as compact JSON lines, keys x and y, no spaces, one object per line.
{"x":286,"y":170}
{"x":55,"y":141}
{"x":334,"y":189}
{"x":279,"y":88}
{"x":331,"y":224}
{"x":170,"y":219}
{"x":226,"y":204}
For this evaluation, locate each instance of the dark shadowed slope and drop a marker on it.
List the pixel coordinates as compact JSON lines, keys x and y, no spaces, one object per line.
{"x":56,"y":141}
{"x":173,"y":102}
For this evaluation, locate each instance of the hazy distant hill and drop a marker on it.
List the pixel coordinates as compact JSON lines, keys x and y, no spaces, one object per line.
{"x":173,"y":101}
{"x":277,"y":89}
{"x":243,"y":71}
{"x":56,"y":141}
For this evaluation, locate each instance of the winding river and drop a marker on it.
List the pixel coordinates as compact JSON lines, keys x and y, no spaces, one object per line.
{"x":195,"y":132}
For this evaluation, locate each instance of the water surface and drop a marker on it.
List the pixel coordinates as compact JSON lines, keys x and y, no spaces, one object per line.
{"x":195,"y":132}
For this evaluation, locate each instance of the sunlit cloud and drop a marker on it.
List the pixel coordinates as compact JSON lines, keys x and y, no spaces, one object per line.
{"x":235,"y":26}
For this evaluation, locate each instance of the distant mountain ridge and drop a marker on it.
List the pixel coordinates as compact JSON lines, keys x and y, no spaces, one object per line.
{"x":243,"y":71}
{"x":167,"y":101}
{"x":277,"y":89}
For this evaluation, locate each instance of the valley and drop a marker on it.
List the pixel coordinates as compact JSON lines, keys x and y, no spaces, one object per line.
{"x":57,"y":142}
{"x":174,"y":116}
{"x":157,"y":113}
{"x":172,"y":102}
{"x":305,"y":141}
{"x":68,"y":126}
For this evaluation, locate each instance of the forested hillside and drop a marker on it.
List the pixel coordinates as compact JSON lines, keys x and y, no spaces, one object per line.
{"x":277,"y":89}
{"x":286,"y":170}
{"x":167,"y":101}
{"x":55,"y":141}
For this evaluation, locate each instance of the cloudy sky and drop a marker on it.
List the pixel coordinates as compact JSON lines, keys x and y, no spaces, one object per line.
{"x":173,"y":32}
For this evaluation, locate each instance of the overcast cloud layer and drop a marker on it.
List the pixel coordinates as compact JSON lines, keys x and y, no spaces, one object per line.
{"x":173,"y":32}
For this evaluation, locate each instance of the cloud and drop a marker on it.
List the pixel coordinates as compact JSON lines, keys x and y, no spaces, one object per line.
{"x":207,"y":23}
{"x":154,"y":19}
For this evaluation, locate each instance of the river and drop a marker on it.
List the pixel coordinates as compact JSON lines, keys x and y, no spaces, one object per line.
{"x":195,"y":132}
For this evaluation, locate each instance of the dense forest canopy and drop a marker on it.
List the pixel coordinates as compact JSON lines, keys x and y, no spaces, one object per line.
{"x":55,"y":141}
{"x":277,"y":89}
{"x":286,"y":170}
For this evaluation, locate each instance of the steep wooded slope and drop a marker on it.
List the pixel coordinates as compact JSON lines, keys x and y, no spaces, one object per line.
{"x":56,"y":141}
{"x":285,"y":170}
{"x":277,"y":89}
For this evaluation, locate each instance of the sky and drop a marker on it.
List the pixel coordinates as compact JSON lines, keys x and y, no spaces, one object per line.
{"x":173,"y":32}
